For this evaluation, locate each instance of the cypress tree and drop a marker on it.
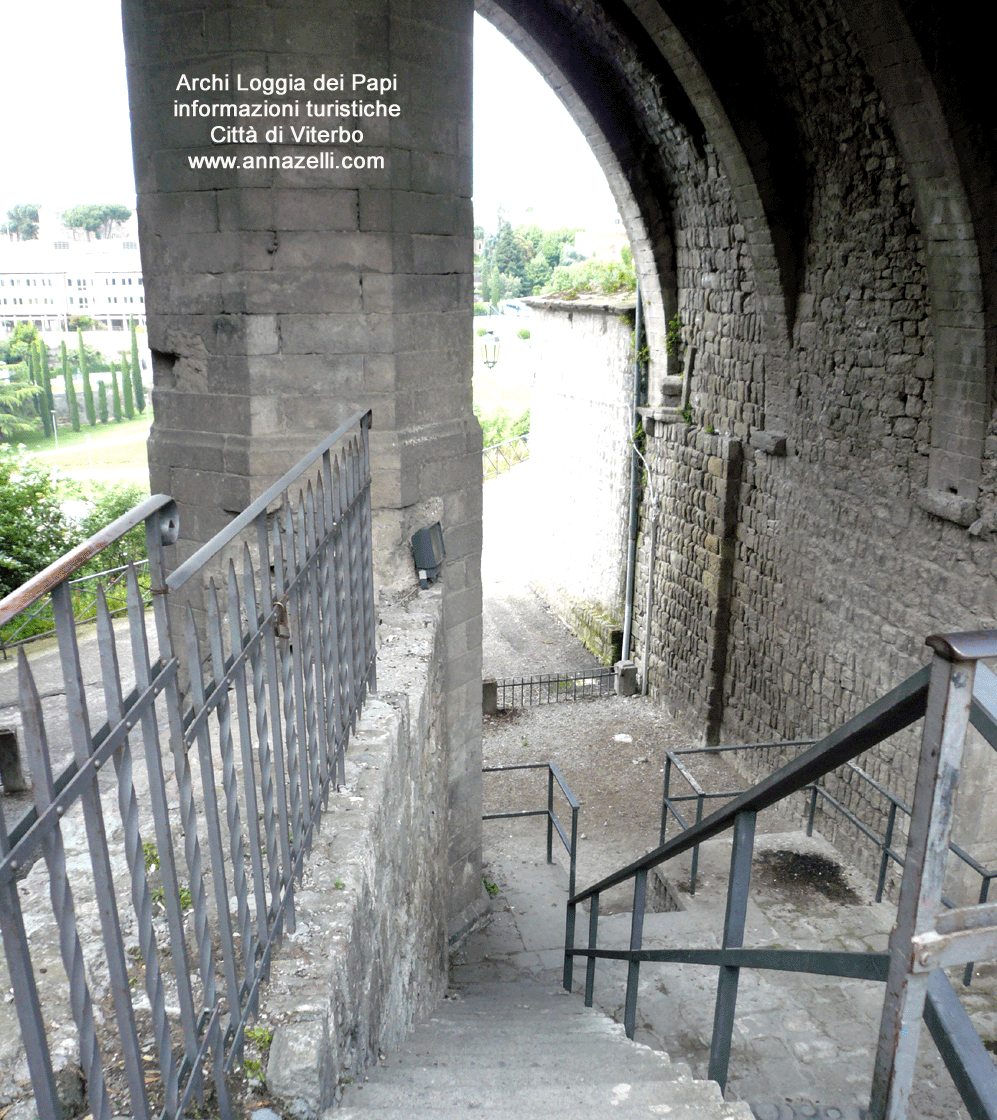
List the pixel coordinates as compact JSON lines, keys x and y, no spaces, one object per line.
{"x":137,"y":371}
{"x":72,"y":405}
{"x":102,"y":402}
{"x":115,"y":393}
{"x":88,"y":406}
{"x":46,"y":377}
{"x":35,"y":375}
{"x":126,"y":386}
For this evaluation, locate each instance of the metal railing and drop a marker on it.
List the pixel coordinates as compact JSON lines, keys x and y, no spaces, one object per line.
{"x":555,"y":688}
{"x":815,"y":794}
{"x":83,"y":593}
{"x":922,"y":940}
{"x":224,"y":816}
{"x":501,"y":457}
{"x":553,"y":775}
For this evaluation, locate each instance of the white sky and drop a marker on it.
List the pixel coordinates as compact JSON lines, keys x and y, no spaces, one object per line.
{"x":68,"y":140}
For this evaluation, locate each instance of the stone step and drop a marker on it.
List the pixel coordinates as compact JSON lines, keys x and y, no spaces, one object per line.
{"x":416,"y":1070}
{"x":523,"y":1049}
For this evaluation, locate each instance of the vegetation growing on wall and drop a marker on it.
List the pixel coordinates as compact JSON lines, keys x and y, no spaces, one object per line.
{"x":595,"y":276}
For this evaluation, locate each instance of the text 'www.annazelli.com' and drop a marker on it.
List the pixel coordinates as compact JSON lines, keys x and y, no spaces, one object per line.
{"x":312,"y":162}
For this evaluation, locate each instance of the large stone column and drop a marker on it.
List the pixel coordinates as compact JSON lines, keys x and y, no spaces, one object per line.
{"x":285,"y":294}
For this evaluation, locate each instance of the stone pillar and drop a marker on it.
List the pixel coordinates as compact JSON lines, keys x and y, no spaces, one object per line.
{"x":284,"y":294}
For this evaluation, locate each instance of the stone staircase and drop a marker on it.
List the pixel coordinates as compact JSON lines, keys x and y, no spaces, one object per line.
{"x":527,"y":1048}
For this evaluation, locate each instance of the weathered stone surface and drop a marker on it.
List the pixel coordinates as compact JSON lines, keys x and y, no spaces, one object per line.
{"x":369,"y":956}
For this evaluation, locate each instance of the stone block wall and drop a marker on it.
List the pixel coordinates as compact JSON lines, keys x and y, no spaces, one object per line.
{"x":370,"y":954}
{"x":841,"y":560}
{"x":282,"y":300}
{"x":580,"y":416}
{"x":694,"y":487}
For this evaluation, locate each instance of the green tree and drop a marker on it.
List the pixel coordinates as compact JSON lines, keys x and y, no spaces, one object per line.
{"x":509,"y":254}
{"x":37,"y":379}
{"x":137,"y":372}
{"x":107,"y":504}
{"x":88,"y":405}
{"x":126,"y":386}
{"x":102,"y":402}
{"x":33,"y":528}
{"x":98,"y":218}
{"x":115,"y":393}
{"x":22,"y":221}
{"x":17,"y":346}
{"x":72,"y":404}
{"x":46,"y":376}
{"x":17,"y":408}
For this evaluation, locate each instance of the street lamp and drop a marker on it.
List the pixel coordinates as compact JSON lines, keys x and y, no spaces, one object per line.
{"x":490,"y":349}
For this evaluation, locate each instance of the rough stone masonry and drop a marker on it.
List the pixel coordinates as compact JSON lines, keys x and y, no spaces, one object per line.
{"x":808,"y":184}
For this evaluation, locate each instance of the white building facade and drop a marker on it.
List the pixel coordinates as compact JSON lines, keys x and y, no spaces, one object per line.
{"x":52,"y":279}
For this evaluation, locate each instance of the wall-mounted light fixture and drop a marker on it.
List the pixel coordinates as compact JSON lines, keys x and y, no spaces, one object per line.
{"x":490,"y":349}
{"x":428,"y":552}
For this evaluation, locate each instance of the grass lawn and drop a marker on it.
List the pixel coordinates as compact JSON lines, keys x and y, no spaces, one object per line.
{"x":73,"y":445}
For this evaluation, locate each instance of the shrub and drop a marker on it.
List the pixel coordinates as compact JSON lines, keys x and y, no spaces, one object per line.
{"x":481,"y":309}
{"x":33,"y":529}
{"x":523,"y":333}
{"x":500,"y":426}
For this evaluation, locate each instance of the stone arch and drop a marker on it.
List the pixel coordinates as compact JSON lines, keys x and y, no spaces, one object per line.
{"x":964,"y":341}
{"x":648,"y":225}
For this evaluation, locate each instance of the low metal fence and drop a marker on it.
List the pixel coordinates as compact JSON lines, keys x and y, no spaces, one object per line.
{"x":500,"y":457}
{"x":195,"y":854}
{"x":885,"y":841}
{"x":555,"y":688}
{"x":553,"y":822}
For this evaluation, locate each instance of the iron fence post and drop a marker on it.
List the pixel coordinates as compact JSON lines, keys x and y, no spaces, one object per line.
{"x":593,"y":943}
{"x":887,"y":844}
{"x":738,"y":885}
{"x":946,"y":718}
{"x":569,"y":944}
{"x":695,"y":850}
{"x":812,"y":810}
{"x":664,"y":799}
{"x":550,"y":819}
{"x":636,"y":941}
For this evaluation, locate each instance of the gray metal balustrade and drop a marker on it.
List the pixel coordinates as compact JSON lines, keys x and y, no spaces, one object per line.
{"x":948,"y":694}
{"x":214,"y":790}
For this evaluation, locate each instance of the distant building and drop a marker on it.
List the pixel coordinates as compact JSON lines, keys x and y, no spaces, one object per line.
{"x":56,"y":276}
{"x":604,"y":241}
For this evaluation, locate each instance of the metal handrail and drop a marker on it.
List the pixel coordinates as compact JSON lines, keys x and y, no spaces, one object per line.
{"x":207,"y":552}
{"x":893,"y":712}
{"x":488,"y":458}
{"x":60,"y":570}
{"x":553,"y":775}
{"x":953,"y":702}
{"x":88,"y":609}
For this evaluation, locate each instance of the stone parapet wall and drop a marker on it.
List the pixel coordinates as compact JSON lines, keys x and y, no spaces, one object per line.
{"x":370,"y":953}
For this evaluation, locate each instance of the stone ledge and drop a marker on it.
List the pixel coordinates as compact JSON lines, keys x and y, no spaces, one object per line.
{"x":950,"y":507}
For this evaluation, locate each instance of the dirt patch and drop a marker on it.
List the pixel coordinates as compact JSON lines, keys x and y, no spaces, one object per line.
{"x":797,"y":876}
